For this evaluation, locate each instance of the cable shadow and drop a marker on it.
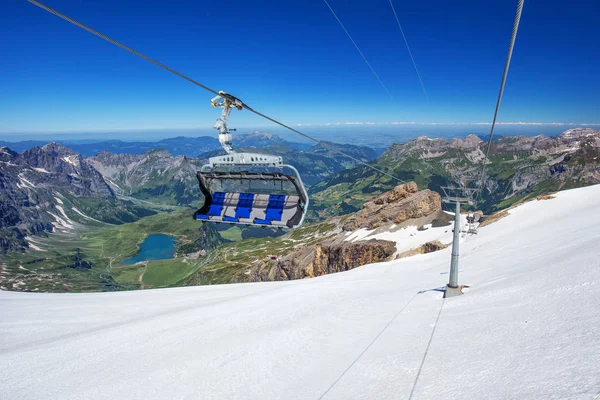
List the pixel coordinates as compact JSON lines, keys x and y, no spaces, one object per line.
{"x":440,"y":289}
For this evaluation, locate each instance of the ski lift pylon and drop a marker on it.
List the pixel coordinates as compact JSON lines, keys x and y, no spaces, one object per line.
{"x":277,"y":199}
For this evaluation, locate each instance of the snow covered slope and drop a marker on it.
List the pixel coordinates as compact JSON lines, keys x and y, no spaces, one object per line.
{"x":529,"y":327}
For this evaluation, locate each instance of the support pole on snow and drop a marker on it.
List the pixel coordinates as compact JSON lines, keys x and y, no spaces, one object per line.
{"x":453,"y":282}
{"x":463,"y":195}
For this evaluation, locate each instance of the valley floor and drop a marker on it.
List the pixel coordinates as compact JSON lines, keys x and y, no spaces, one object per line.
{"x":526,"y":328}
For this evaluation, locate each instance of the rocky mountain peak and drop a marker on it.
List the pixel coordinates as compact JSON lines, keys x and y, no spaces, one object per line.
{"x":470,"y":142}
{"x":129,"y":173}
{"x":7,"y":154}
{"x":52,"y":157}
{"x":393,"y":196}
{"x":579,"y":133}
{"x":473,"y":139}
{"x":56,"y":149}
{"x":106,"y":158}
{"x":258,"y":134}
{"x":404,"y":202}
{"x":57,"y":167}
{"x":159,"y":153}
{"x":420,"y":144}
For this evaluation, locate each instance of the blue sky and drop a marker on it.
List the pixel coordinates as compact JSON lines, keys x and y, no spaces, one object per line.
{"x":291,"y":60}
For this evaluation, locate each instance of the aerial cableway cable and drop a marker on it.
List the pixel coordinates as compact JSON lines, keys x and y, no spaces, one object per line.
{"x":129,"y":49}
{"x":409,"y":52}
{"x":358,"y":49}
{"x":506,"y":66}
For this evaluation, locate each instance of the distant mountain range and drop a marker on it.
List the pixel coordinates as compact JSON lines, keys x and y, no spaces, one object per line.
{"x":189,"y":146}
{"x":163,"y":178}
{"x":52,"y":188}
{"x":68,"y":221}
{"x":518,"y":167}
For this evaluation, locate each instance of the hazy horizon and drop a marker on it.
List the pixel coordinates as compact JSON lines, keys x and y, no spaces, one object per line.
{"x":373,"y":135}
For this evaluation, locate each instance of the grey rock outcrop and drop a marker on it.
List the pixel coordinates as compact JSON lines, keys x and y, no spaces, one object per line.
{"x":405,"y":202}
{"x":402,"y":206}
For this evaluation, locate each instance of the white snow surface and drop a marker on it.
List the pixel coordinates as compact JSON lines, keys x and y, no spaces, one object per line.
{"x":528,"y":327}
{"x":410,"y":237}
{"x":42,"y":170}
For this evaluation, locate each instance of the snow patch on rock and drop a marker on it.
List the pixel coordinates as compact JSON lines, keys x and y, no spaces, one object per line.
{"x":73,"y":160}
{"x":59,"y":222}
{"x":85,"y":216}
{"x":33,"y":246}
{"x":410,"y":237}
{"x":62,"y":211}
{"x":25,"y":183}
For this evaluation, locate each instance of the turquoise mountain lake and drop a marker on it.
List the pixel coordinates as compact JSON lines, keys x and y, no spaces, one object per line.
{"x":155,"y":247}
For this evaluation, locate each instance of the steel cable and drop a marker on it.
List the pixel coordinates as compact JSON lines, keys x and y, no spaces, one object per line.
{"x":409,"y":52}
{"x":129,"y":49}
{"x":506,"y":66}
{"x":357,"y":48}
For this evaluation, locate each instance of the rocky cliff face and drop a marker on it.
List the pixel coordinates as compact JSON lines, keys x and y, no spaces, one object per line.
{"x":324,"y":258}
{"x":41,"y":188}
{"x":404,"y":203}
{"x":153,"y":175}
{"x":402,"y":206}
{"x":57,"y":167}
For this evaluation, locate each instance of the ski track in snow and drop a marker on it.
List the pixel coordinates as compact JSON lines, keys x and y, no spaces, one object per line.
{"x":527,"y":327}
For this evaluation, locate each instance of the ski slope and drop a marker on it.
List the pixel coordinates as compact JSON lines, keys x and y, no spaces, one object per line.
{"x":528,"y":327}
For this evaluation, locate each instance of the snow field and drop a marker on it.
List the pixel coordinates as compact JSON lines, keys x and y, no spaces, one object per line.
{"x":526,"y":328}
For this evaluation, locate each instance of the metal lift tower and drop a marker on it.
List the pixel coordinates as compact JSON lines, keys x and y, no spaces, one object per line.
{"x":458,"y":196}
